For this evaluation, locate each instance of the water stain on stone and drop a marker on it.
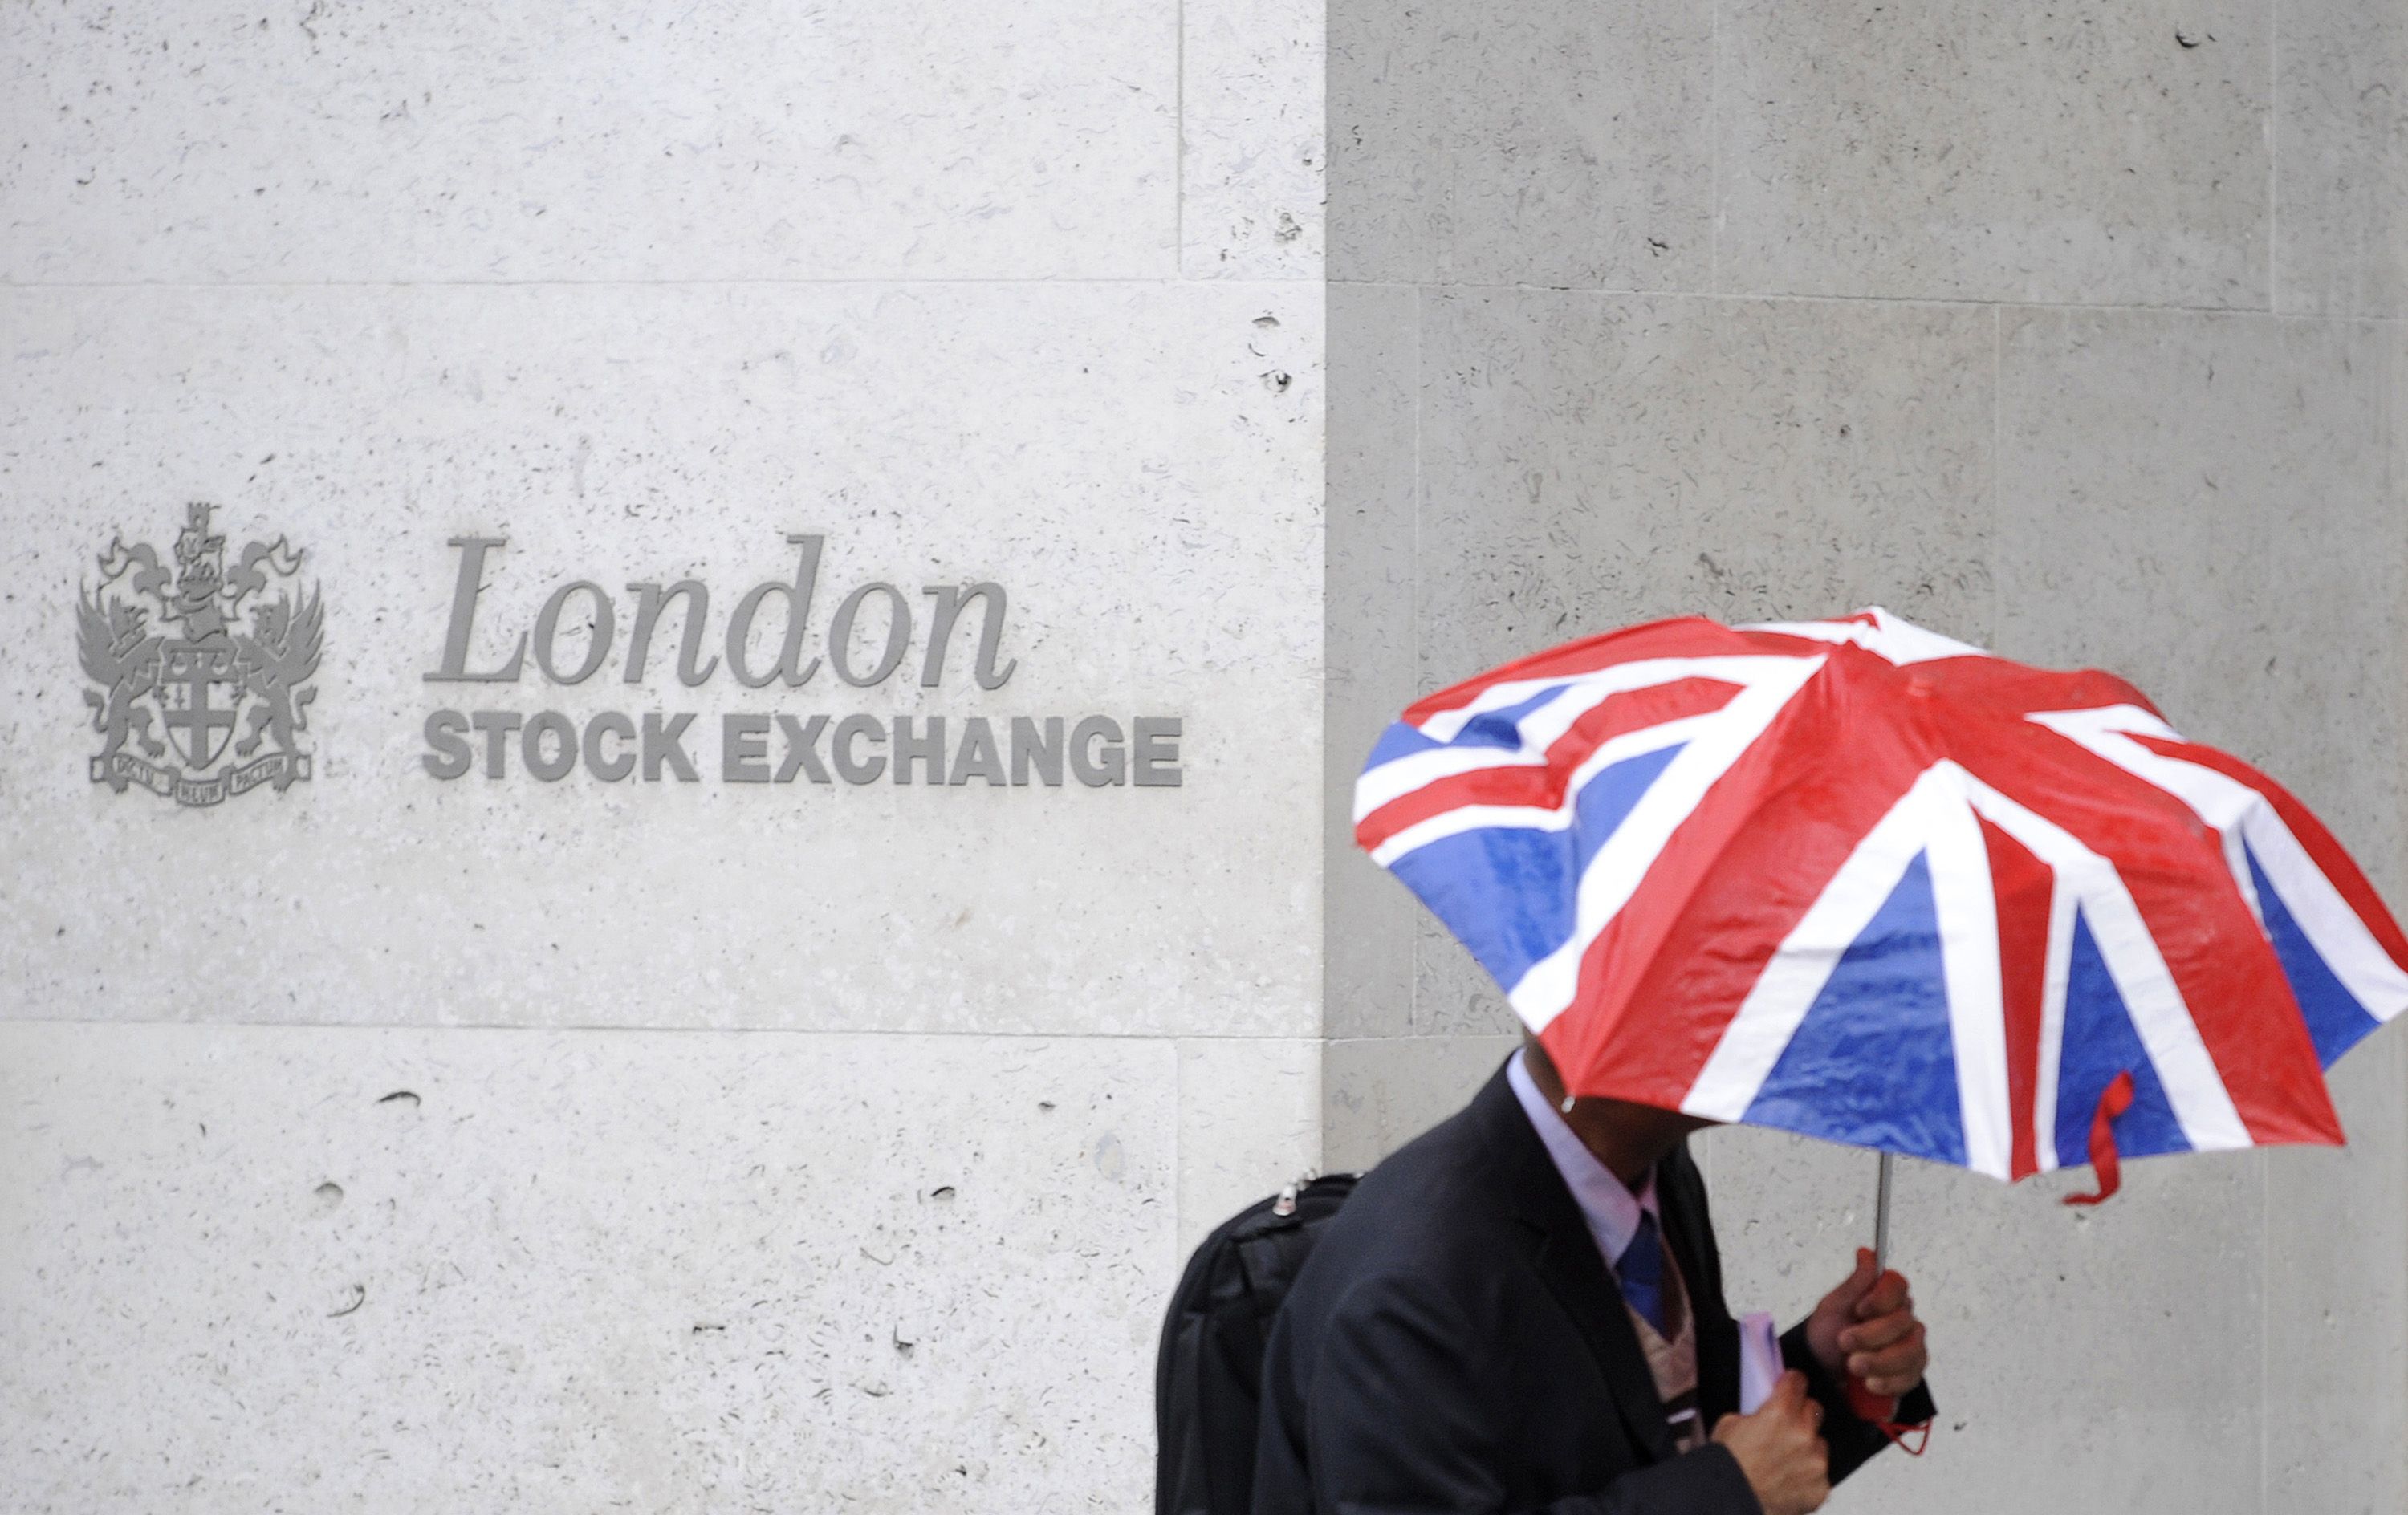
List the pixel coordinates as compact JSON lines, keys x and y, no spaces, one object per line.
{"x":399,"y":1097}
{"x":1110,"y":1160}
{"x":328,"y":1194}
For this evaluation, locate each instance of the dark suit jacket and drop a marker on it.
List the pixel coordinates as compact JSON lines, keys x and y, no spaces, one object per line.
{"x":1456,"y":1344}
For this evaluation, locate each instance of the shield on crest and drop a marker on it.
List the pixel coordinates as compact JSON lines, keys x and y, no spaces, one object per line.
{"x":201,"y":690}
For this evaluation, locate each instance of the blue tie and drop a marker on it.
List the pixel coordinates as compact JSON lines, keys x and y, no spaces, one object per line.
{"x":1641,"y":1272}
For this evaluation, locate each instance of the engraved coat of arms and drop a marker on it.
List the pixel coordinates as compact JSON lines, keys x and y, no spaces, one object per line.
{"x":199,"y":665}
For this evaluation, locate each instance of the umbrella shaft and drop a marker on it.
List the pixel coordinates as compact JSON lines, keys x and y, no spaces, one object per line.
{"x":1880,"y":1217}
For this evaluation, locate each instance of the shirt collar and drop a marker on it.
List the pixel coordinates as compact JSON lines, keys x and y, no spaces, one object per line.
{"x":1611,"y":1209}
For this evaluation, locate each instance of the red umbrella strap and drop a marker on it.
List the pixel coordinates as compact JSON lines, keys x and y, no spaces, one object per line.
{"x":2112,"y":1101}
{"x":1876,"y":1409}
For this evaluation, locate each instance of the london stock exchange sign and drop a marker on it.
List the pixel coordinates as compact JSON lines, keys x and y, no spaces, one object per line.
{"x":199,"y":665}
{"x":767,"y":647}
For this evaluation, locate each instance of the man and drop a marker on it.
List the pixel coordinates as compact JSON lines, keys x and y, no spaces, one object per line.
{"x":1522,"y":1311}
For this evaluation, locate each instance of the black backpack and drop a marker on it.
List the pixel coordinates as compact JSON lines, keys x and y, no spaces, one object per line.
{"x":1207,"y":1377}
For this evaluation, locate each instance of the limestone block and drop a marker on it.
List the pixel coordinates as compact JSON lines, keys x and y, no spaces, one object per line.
{"x":1251,"y":177}
{"x":1591,"y":460}
{"x":248,"y":1269}
{"x":1249,"y":1121}
{"x":2210,"y":506}
{"x":1552,"y":143}
{"x":1139,"y":466}
{"x":2341,"y":159}
{"x":1379,"y":1093}
{"x":1369,"y":608}
{"x":2336,"y":1324}
{"x":2000,"y":153}
{"x":718,"y":141}
{"x":1453,"y":994}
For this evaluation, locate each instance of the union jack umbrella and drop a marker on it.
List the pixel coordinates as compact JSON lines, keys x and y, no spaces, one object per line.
{"x":1855,"y":880}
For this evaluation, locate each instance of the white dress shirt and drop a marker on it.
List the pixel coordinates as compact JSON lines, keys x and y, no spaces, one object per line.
{"x":1611,"y":1209}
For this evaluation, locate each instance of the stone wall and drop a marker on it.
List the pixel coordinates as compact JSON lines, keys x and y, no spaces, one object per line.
{"x":2075,"y":334}
{"x":562,"y":1141}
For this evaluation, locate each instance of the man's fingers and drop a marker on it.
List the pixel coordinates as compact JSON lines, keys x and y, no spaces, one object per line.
{"x":1788,"y":1390}
{"x":1887,"y":1295}
{"x":1901,"y":1362}
{"x":1872,"y":1336}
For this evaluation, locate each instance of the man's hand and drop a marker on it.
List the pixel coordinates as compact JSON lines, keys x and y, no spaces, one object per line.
{"x":1866,"y":1328}
{"x":1779,"y":1450}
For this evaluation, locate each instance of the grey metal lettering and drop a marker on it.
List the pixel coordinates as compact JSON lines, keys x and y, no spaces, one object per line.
{"x":1046,"y":754}
{"x":801,"y":741}
{"x":1093,"y":772}
{"x":798,"y":611}
{"x":610,"y":766}
{"x":928,"y":751}
{"x":463,"y":614}
{"x":852,"y":770}
{"x":978,"y":757}
{"x":1153,"y":752}
{"x":563,"y":737}
{"x":498,"y":726}
{"x":662,"y":745}
{"x":744,"y":748}
{"x":546,"y":626}
{"x":650,"y":603}
{"x":898,"y":634}
{"x":446,"y":732}
{"x":949,"y":603}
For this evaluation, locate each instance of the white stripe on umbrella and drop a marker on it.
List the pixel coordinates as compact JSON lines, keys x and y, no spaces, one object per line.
{"x":2239,"y":812}
{"x":1901,"y":642}
{"x":2086,"y":881}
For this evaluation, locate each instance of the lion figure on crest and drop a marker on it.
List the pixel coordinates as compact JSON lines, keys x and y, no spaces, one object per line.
{"x":118,"y":655}
{"x":279,"y":657}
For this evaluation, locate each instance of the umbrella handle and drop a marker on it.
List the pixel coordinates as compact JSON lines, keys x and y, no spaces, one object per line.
{"x":1881,"y":1410}
{"x":1881,"y":1216}
{"x":1868,"y":1406}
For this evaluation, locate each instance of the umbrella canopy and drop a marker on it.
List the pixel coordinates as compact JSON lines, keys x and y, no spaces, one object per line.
{"x":1855,"y":880}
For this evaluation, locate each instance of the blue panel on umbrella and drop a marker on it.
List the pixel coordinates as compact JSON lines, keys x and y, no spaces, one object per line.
{"x":1400,"y":740}
{"x":2335,"y":1018}
{"x":2100,"y":1043}
{"x":1509,"y":892}
{"x":1608,"y":797}
{"x":1874,"y":1062}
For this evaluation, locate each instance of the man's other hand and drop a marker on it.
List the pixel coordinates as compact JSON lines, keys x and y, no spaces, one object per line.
{"x":1866,"y":1328}
{"x":1779,"y":1450}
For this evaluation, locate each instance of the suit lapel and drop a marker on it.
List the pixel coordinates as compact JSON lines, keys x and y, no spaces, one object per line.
{"x":1565,"y":1257}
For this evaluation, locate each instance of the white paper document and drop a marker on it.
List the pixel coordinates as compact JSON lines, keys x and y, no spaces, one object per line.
{"x":1759,"y":1360}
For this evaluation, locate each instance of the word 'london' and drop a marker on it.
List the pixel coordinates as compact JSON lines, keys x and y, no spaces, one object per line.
{"x":858,"y":749}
